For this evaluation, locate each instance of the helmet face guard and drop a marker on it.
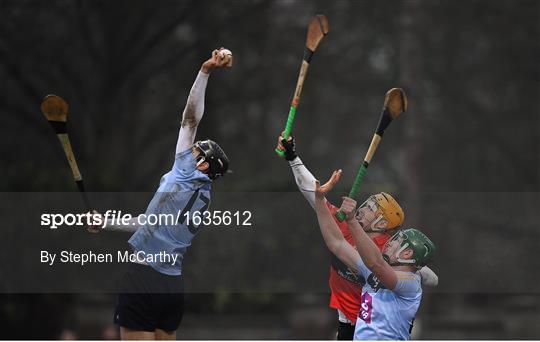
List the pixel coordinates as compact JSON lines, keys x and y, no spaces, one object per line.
{"x":423,"y":248}
{"x":401,"y":240}
{"x":202,"y":152}
{"x":211,"y":153}
{"x":373,"y":206}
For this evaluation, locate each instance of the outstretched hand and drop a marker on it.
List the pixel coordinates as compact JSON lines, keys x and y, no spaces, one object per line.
{"x":322,"y":190}
{"x":215,"y":61}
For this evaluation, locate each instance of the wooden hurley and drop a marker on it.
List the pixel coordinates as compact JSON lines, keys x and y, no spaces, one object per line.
{"x":55,"y":110}
{"x":317,"y":29}
{"x":395,"y":103}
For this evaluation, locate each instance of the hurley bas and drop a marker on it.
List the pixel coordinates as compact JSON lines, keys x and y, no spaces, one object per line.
{"x":92,"y":257}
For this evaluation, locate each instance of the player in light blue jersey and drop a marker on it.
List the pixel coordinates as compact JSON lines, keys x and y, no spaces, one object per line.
{"x":150,"y":304}
{"x":392,"y":294}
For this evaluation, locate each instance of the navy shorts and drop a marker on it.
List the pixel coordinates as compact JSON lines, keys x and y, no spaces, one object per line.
{"x":149,"y":300}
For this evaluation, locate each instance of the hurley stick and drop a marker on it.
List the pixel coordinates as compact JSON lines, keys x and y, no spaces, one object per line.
{"x":317,"y":29}
{"x":395,"y":103}
{"x":55,"y":109}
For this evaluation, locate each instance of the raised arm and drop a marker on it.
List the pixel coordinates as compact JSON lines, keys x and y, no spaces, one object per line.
{"x":193,"y":113}
{"x":194,"y":110}
{"x":369,"y":252}
{"x":304,"y":179}
{"x":332,"y":236}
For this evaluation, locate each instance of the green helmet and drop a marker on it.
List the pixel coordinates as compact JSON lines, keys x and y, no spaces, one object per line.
{"x":423,"y":248}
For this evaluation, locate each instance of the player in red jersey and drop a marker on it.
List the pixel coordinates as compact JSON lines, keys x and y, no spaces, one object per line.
{"x":380,"y":214}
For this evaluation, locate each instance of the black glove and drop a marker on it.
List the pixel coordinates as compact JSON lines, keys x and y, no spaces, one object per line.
{"x":290,"y":150}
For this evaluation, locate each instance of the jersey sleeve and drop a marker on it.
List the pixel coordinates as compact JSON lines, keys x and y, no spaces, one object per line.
{"x":184,"y":165}
{"x":304,"y":180}
{"x":408,"y":285}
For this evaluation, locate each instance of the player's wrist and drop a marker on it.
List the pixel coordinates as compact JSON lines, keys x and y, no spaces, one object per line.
{"x":205,"y":69}
{"x":290,"y":157}
{"x":207,"y":66}
{"x":349,"y":218}
{"x":295,"y":161}
{"x":320,"y":200}
{"x":289,"y":149}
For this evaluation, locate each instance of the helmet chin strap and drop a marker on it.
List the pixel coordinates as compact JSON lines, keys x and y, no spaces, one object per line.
{"x":397,"y":263}
{"x":386,"y":258}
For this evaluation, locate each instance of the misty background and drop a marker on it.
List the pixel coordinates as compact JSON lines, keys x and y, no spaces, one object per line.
{"x":463,"y":161}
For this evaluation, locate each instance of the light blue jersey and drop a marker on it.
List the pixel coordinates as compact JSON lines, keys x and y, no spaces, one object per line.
{"x":183,"y":189}
{"x":386,"y":314}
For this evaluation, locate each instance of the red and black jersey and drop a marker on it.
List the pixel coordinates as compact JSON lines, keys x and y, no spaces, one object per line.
{"x":346,"y":284}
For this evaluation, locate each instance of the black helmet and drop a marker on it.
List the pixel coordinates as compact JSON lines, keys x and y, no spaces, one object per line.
{"x":214,"y":156}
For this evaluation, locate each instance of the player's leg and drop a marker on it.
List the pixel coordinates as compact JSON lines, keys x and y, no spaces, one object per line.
{"x":165,"y":335}
{"x":136,"y":311}
{"x":171,"y":303}
{"x":345,"y":331}
{"x":128,"y":334}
